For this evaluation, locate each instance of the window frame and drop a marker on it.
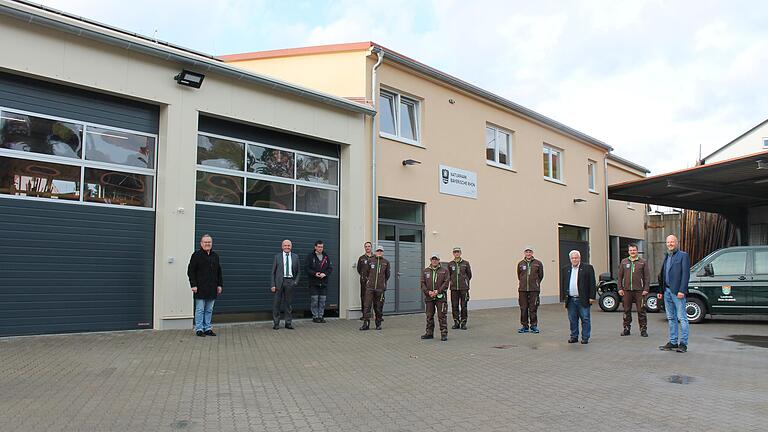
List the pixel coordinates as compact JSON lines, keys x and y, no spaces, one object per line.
{"x":245,"y":175}
{"x":765,"y":142}
{"x":592,"y":176}
{"x":397,"y":98}
{"x":510,"y":147}
{"x":84,"y":163}
{"x":559,"y":151}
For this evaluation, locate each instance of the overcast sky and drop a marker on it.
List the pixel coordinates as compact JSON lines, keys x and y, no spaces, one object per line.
{"x":654,"y":79}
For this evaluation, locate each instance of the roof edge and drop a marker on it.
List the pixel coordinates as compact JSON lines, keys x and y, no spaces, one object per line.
{"x":735,"y":139}
{"x":290,"y":52}
{"x":628,"y":163}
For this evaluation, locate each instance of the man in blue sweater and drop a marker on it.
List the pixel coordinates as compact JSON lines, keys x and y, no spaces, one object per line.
{"x":673,"y":280}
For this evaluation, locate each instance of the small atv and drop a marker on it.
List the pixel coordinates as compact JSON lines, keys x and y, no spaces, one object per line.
{"x":609,"y":298}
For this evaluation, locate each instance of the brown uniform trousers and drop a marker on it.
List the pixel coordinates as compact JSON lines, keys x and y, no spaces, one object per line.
{"x":442,"y":316}
{"x":529,"y":306}
{"x":374,"y":299}
{"x":634,"y":278}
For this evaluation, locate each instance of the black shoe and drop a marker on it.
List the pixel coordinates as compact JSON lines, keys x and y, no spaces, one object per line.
{"x":681,"y":348}
{"x":463,"y":326}
{"x":200,"y":333}
{"x":276,"y":327}
{"x":427,"y":336}
{"x":360,"y":319}
{"x":455,"y":325}
{"x":321,"y":320}
{"x":289,"y":326}
{"x":584,"y":341}
{"x":444,"y":338}
{"x":378,"y":325}
{"x":643,"y":333}
{"x":573,"y":340}
{"x":314,"y":320}
{"x":625,"y":332}
{"x":668,"y":347}
{"x":366,"y":325}
{"x":210,"y":333}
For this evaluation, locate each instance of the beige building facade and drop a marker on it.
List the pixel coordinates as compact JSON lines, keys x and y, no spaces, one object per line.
{"x":536,"y":181}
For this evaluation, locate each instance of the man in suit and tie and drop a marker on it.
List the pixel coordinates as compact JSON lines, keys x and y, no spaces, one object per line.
{"x":284,"y":277}
{"x":578,"y":290}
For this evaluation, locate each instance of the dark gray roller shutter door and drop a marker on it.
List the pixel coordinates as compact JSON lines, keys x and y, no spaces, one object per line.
{"x":73,"y":267}
{"x":247,"y":240}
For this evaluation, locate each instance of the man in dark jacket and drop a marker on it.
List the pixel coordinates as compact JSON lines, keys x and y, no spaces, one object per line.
{"x":434,"y":285}
{"x":634,"y":279}
{"x":673,"y":281}
{"x":204,"y":272}
{"x":530,"y":273}
{"x":461,"y":273}
{"x":318,"y":269}
{"x":376,"y":275}
{"x":578,"y":290}
{"x":362,"y":263}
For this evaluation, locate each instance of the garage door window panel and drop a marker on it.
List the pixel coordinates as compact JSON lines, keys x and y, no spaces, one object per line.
{"x":267,"y":194}
{"x":220,"y":153}
{"x":269,"y":161}
{"x":318,"y":201}
{"x":317,"y":169}
{"x":29,"y":133}
{"x":219,"y":188}
{"x":119,"y":147}
{"x":39,"y":179}
{"x":118,"y":188}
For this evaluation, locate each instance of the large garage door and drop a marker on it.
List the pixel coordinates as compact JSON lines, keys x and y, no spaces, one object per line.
{"x":255,"y":188}
{"x":77,"y":193}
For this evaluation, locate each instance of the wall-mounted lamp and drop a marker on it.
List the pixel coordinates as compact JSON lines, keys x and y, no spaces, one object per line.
{"x":408,"y":162}
{"x":451,"y":101}
{"x":190,"y":79}
{"x":579,"y":200}
{"x":762,"y":164}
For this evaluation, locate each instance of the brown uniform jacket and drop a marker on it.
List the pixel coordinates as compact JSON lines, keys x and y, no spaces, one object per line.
{"x":435,"y":279}
{"x":530,"y":274}
{"x":376,"y":274}
{"x":362,"y":263}
{"x":460,"y":273}
{"x":634,"y":275}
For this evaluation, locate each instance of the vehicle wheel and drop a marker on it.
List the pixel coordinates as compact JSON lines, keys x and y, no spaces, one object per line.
{"x":609,"y":302}
{"x":695,"y":310}
{"x":651,"y":303}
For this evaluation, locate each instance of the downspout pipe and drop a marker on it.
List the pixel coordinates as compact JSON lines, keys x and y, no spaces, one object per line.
{"x":374,"y":129}
{"x":607,"y":214}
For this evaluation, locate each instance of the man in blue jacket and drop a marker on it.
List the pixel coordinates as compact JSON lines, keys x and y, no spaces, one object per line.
{"x":673,"y":279}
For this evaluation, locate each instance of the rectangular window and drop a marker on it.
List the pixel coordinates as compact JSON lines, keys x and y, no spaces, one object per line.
{"x":498,"y":146}
{"x":760,"y":265}
{"x":399,"y":116}
{"x":241,"y":173}
{"x":591,"y":172}
{"x":47,"y":157}
{"x":553,"y":161}
{"x":765,"y":143}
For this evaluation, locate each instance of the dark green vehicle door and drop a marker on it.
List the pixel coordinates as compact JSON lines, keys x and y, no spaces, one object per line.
{"x":728,"y":287}
{"x":759,"y":282}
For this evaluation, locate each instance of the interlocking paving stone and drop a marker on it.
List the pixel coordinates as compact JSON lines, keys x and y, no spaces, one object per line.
{"x":332,"y":377}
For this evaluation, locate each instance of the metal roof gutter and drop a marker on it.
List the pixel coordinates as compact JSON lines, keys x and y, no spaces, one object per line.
{"x":36,"y":14}
{"x":630,"y":164}
{"x":542,"y":119}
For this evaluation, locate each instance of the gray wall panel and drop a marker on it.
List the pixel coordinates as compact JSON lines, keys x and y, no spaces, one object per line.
{"x":72,"y":268}
{"x":247,"y":239}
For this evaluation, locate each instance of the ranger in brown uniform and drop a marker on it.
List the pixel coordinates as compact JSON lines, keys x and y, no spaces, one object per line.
{"x":362,"y":263}
{"x":434,"y":285}
{"x":634,"y":278}
{"x":376,"y":276}
{"x":530,"y":273}
{"x":461,"y":274}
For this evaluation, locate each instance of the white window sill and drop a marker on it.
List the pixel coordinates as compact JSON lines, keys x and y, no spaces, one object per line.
{"x":401,"y":139}
{"x":556,"y":181}
{"x":500,"y":166}
{"x":594,"y":192}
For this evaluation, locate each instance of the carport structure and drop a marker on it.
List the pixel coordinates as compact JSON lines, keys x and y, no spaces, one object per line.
{"x":735,"y":188}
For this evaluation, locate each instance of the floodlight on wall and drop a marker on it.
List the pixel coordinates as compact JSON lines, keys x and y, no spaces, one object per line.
{"x":579,"y":200}
{"x":408,"y":162}
{"x":190,"y":79}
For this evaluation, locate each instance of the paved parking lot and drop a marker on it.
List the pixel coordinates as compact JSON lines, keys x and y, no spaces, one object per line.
{"x":333,"y":377}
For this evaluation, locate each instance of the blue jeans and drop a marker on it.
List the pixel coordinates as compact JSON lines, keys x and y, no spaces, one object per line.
{"x":675,"y":309}
{"x":203,"y":312}
{"x":575,"y":312}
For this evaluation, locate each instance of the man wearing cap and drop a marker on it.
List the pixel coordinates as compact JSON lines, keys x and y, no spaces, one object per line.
{"x":634,"y":277}
{"x":530,"y":273}
{"x":376,"y":275}
{"x":460,"y":273}
{"x":362,"y":263}
{"x":434,"y":284}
